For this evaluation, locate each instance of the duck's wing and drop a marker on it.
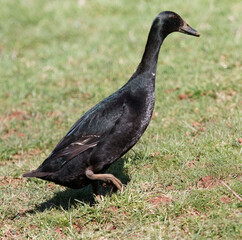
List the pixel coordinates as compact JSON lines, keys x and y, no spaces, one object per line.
{"x":86,"y":133}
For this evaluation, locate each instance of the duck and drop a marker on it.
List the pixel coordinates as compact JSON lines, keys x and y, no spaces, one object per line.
{"x":114,"y":125}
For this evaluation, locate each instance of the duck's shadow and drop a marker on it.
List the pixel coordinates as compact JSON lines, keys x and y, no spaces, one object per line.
{"x":70,"y":197}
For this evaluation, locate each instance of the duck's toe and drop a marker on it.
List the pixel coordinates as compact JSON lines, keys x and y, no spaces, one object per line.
{"x":104,"y":177}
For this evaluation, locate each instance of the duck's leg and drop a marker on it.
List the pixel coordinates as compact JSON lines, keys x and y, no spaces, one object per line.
{"x":104,"y":177}
{"x":95,"y":187}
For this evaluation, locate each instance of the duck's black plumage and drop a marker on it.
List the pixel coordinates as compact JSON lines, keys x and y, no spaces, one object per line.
{"x":114,"y":125}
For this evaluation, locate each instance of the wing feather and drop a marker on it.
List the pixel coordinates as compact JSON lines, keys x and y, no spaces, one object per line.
{"x":86,"y":133}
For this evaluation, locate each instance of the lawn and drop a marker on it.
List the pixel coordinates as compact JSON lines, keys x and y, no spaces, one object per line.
{"x":59,"y":58}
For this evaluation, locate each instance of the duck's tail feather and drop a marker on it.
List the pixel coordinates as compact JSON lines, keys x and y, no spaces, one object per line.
{"x":36,"y":173}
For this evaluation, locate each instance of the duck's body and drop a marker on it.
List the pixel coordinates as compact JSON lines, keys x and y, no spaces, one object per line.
{"x":101,"y":136}
{"x":108,"y":130}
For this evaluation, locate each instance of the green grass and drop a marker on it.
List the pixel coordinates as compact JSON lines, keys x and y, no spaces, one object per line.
{"x":59,"y":58}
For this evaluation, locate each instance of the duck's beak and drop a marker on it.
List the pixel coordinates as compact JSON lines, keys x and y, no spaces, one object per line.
{"x":188,"y":30}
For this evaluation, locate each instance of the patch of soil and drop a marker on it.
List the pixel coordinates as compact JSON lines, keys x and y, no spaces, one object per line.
{"x":198,"y":127}
{"x":10,"y":180}
{"x":8,"y":134}
{"x":35,"y":151}
{"x":183,"y":96}
{"x":12,"y":132}
{"x":112,"y":209}
{"x":11,"y":234}
{"x":148,"y":166}
{"x":240,"y":140}
{"x":170,"y":187}
{"x":160,"y":200}
{"x":60,"y":232}
{"x":192,"y":164}
{"x":16,"y":157}
{"x":207,"y":182}
{"x":77,"y":227}
{"x":194,"y":213}
{"x":54,"y":114}
{"x":168,"y":157}
{"x":226,"y":199}
{"x":52,"y":186}
{"x":154,"y":154}
{"x":17,"y":114}
{"x":197,"y":124}
{"x":109,"y":226}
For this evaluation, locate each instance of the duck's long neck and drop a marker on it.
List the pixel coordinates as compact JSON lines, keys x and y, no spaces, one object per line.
{"x":152,"y":48}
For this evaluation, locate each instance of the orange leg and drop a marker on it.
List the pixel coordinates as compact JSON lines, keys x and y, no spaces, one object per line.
{"x":104,"y":177}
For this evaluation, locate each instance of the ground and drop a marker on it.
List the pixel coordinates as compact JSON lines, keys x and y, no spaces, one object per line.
{"x":59,"y":58}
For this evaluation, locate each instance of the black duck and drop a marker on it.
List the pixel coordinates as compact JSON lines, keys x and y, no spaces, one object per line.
{"x":112,"y":127}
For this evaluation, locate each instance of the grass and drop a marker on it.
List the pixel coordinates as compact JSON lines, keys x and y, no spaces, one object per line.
{"x":59,"y":58}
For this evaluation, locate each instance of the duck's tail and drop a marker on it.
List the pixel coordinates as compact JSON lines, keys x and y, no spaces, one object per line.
{"x":36,"y":173}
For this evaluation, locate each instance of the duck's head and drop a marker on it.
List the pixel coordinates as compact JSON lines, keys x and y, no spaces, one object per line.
{"x":172,"y":22}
